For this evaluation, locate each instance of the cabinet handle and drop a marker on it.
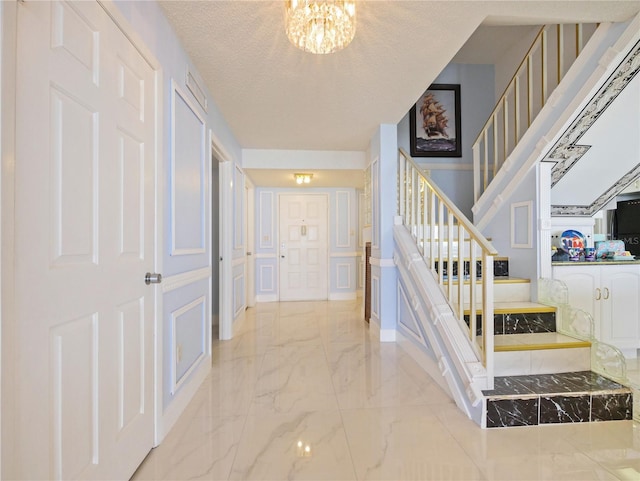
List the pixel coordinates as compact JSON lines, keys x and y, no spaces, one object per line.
{"x":598,"y":294}
{"x":606,"y":293}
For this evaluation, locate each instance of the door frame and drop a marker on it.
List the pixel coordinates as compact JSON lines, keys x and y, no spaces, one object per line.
{"x":249,"y":242}
{"x":327,"y":259}
{"x":225,"y":218}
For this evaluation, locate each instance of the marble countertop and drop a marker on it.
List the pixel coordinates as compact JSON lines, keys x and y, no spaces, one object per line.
{"x":599,"y":262}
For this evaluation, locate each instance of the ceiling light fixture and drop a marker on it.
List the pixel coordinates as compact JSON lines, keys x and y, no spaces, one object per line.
{"x":320,"y":26}
{"x":303,"y":178}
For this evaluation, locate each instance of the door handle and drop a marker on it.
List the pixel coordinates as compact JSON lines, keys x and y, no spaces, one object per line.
{"x":598,"y":294}
{"x":606,"y":293}
{"x":154,"y":278}
{"x":281,"y":257}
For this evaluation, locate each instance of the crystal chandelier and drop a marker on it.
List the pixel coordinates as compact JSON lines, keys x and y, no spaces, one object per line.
{"x":320,"y":26}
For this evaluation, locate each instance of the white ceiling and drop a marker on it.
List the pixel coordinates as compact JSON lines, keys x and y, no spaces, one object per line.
{"x":274,"y":96}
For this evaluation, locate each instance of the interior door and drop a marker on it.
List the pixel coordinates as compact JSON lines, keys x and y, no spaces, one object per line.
{"x":85,"y":163}
{"x":303,"y":247}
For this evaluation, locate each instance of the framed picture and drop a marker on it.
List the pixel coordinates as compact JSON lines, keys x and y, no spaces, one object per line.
{"x":435,"y":122}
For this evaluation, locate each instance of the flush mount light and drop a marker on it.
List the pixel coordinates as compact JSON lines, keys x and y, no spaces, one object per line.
{"x":320,"y":26}
{"x":303,"y":178}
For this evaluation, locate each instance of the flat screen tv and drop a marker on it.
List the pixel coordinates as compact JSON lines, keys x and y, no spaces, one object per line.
{"x":627,"y":225}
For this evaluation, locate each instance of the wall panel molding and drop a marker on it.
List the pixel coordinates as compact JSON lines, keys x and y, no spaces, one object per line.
{"x":181,"y":280}
{"x":343,"y":219}
{"x":177,"y":350}
{"x":188,"y":162}
{"x":266,"y":226}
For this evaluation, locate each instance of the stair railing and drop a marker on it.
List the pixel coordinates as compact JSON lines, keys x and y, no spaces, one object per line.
{"x":553,"y":51}
{"x":454,"y":250}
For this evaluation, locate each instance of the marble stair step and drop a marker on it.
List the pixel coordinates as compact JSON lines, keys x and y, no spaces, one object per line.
{"x":500,"y":266}
{"x":536,"y":342}
{"x":576,"y":396}
{"x":521,"y":317}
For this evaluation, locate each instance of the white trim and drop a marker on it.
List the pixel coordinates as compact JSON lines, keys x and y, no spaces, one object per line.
{"x":343,"y":296}
{"x":375,"y":261}
{"x":238,"y":207}
{"x":267,"y":298}
{"x":238,"y":289}
{"x":226,"y":273}
{"x":387,"y":335}
{"x":345,"y":254}
{"x":176,"y":89}
{"x":375,"y":204}
{"x":265,"y":255}
{"x":180,"y":280}
{"x":544,"y":220}
{"x":529,"y":235}
{"x":175,"y":383}
{"x":168,"y":417}
{"x":194,"y":87}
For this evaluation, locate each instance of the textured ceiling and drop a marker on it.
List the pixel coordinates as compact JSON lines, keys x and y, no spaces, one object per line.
{"x":275,"y":96}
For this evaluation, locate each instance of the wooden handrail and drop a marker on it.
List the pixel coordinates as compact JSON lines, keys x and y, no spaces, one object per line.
{"x":474,"y":233}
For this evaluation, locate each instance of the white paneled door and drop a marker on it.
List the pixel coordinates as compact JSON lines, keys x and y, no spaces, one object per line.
{"x":303,"y":247}
{"x":85,"y":188}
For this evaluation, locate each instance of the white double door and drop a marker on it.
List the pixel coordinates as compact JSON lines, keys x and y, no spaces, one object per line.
{"x":303,"y":247}
{"x":84,"y":239}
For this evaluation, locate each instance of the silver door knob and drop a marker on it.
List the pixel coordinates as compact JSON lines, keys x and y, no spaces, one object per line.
{"x":154,"y":278}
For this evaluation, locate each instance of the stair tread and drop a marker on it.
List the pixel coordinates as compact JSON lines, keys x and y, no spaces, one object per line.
{"x":496,"y":280}
{"x":557,"y":383}
{"x":515,"y":307}
{"x":536,"y":341}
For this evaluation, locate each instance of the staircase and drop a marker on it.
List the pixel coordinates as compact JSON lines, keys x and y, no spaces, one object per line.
{"x":527,"y":373}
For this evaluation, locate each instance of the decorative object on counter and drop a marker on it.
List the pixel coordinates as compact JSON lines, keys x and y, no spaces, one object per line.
{"x":625,"y":256}
{"x":589,"y":254}
{"x":609,"y":249}
{"x":574,"y":243}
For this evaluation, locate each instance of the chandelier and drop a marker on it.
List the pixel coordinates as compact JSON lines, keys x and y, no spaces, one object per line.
{"x":320,"y":26}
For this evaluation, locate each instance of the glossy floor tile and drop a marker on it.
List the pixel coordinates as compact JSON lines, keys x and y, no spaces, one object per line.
{"x":306,"y":391}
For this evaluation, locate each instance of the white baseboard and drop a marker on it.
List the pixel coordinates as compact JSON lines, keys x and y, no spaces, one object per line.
{"x":343,"y":296}
{"x":267,"y":298}
{"x":181,"y":400}
{"x":387,"y":335}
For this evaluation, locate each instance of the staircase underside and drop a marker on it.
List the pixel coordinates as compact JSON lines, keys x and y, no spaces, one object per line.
{"x":570,"y":397}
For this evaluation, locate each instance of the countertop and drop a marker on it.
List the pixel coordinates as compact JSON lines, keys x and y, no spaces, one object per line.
{"x":599,"y":262}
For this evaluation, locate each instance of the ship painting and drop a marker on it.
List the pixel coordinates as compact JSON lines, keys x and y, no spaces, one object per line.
{"x":435,"y":122}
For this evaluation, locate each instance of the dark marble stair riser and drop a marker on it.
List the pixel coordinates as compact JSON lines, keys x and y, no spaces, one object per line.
{"x":556,"y":398}
{"x":519,"y":323}
{"x":500,"y":268}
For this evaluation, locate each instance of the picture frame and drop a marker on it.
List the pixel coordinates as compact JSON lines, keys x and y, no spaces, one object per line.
{"x":434,"y":122}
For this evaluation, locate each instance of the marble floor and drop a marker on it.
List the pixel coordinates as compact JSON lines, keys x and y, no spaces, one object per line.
{"x":305,"y":391}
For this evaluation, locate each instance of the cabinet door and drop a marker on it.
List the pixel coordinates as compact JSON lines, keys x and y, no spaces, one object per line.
{"x":583,"y":283}
{"x":621,"y":306}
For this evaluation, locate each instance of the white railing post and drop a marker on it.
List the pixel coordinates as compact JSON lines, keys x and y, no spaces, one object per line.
{"x":429,"y":205}
{"x":515,"y":117}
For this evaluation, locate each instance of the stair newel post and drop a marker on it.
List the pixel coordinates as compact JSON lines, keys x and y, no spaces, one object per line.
{"x":450,"y":256}
{"x":487,"y":316}
{"x":441,"y":242}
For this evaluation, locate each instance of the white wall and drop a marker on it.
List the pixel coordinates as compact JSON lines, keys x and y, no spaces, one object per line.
{"x":454,"y":175}
{"x":191,"y":327}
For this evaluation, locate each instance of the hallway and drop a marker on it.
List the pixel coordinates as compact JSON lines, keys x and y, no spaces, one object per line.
{"x":303,"y":392}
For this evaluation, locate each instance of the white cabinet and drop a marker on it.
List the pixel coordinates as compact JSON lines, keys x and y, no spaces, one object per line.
{"x":611,"y":294}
